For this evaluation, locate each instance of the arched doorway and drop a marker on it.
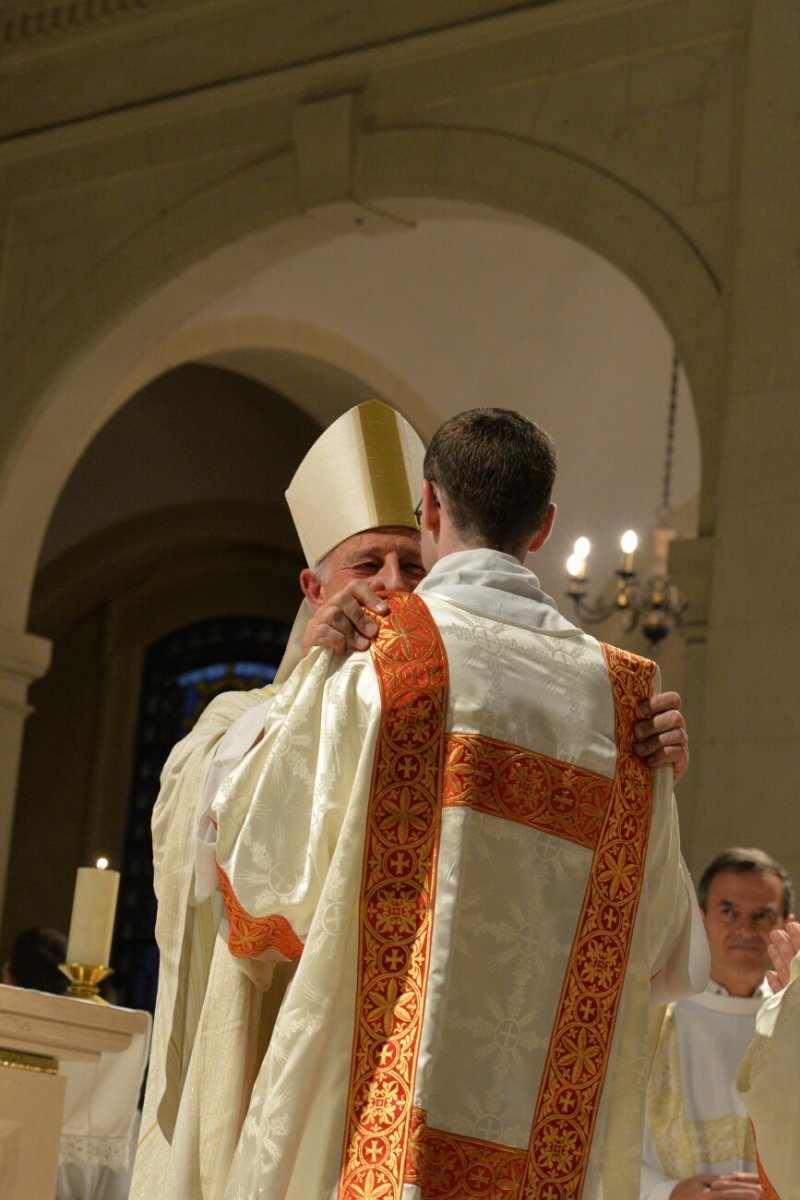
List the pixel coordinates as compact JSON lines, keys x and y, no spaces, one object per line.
{"x":215,"y":327}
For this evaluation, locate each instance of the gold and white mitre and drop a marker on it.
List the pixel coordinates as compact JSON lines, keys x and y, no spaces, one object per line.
{"x":363,"y":472}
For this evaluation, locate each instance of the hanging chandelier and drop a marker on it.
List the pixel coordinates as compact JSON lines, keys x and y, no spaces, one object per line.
{"x":654,"y":603}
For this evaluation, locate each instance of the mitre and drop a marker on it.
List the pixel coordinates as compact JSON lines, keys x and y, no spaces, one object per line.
{"x":363,"y":472}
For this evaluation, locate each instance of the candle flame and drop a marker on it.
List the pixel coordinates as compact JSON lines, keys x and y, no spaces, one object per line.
{"x":102,"y":863}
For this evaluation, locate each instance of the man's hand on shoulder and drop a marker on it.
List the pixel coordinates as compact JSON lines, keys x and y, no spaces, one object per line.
{"x":344,"y":621}
{"x":660,"y":736}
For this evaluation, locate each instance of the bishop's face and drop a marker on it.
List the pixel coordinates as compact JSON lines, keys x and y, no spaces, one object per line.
{"x":388,"y":559}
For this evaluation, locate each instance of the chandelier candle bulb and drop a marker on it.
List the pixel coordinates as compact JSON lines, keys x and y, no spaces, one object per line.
{"x":628,"y":543}
{"x":576,"y":567}
{"x":576,"y":563}
{"x":93,"y":909}
{"x":655,"y":603}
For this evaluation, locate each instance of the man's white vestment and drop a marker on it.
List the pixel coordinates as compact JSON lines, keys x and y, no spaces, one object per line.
{"x":696,"y":1121}
{"x":453,"y":837}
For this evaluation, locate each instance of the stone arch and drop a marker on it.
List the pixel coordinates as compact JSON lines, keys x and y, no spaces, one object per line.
{"x":584,"y":201}
{"x":122,"y":343}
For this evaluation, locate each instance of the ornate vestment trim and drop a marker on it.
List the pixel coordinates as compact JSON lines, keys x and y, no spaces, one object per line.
{"x":250,"y":936}
{"x":397,"y":899}
{"x":448,"y":1166}
{"x":90,"y":1150}
{"x":519,"y":785}
{"x":580,"y":1044}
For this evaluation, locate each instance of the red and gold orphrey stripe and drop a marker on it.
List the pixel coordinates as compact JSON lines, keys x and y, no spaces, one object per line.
{"x":531,"y":789}
{"x":250,"y":936}
{"x":449,"y":1166}
{"x":580,"y":1044}
{"x":397,"y":898}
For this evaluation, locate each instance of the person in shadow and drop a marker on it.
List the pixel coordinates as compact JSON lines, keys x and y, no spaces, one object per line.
{"x":34,"y":961}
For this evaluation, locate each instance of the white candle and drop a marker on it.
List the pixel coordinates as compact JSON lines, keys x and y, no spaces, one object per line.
{"x":628,"y":543}
{"x":92,"y":924}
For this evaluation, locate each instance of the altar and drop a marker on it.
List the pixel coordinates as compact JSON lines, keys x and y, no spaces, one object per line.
{"x":54,"y":1047}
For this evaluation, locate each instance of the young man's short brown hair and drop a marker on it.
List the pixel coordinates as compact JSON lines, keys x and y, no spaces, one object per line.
{"x":497,"y":469}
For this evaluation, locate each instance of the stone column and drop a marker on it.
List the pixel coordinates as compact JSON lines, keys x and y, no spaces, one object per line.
{"x":23,"y":658}
{"x":750,"y":763}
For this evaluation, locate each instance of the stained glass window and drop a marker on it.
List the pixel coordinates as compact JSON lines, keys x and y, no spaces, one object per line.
{"x":182,"y":673}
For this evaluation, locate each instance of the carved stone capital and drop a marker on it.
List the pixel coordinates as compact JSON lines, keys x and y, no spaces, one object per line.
{"x":23,"y":658}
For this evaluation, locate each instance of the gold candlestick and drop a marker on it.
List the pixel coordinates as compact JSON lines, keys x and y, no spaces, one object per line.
{"x":85,"y":980}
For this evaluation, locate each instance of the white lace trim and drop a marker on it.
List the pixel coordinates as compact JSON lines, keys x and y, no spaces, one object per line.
{"x":87,"y":1151}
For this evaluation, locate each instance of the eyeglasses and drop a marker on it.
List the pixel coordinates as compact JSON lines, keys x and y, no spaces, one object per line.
{"x":418,"y":509}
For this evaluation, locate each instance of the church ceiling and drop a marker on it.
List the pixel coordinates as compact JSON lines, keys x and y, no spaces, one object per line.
{"x":66,"y":60}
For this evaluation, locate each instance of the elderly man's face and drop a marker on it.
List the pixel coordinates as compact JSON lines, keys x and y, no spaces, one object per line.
{"x":387,"y":559}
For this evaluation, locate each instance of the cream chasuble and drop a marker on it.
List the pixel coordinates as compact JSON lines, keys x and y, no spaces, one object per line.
{"x":767,"y":1084}
{"x":454,"y":839}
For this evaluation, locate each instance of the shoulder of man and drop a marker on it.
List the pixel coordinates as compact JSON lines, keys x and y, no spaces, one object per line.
{"x":213,"y":722}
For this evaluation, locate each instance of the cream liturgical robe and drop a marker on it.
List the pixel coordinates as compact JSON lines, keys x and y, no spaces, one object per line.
{"x":212,"y":1021}
{"x":186,"y":1141}
{"x":696,"y":1122}
{"x":479,"y":880}
{"x":768,"y":1084}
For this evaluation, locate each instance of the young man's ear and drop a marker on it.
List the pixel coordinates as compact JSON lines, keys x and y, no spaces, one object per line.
{"x":544,"y":530}
{"x":431,"y":511}
{"x":311,"y":584}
